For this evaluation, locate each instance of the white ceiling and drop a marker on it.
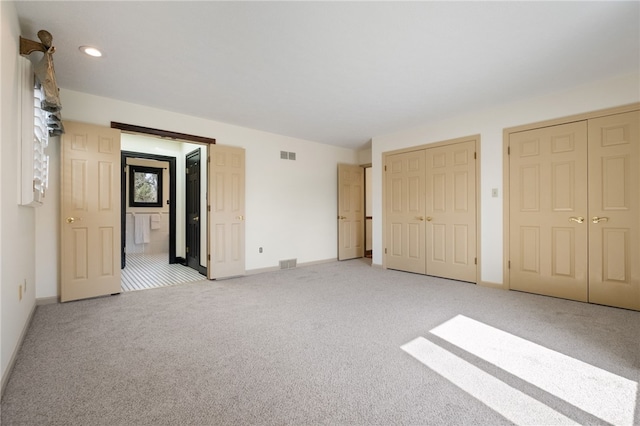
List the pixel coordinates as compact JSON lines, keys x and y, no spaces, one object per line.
{"x":334,"y":72}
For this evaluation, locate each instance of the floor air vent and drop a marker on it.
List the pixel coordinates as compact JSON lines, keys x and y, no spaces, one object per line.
{"x":288,"y":264}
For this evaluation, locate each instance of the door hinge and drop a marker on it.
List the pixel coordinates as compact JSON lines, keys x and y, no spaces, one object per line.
{"x":508,"y":150}
{"x":475,"y":260}
{"x":208,"y":208}
{"x":475,"y":155}
{"x":187,"y":250}
{"x":385,"y":168}
{"x":186,"y":170}
{"x":385,"y":251}
{"x":208,"y":257}
{"x":509,"y":265}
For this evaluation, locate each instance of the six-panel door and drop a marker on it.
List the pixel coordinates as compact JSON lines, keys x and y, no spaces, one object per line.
{"x":548,"y":211}
{"x":575,"y":210}
{"x":614,"y":210}
{"x":350,"y":212}
{"x":227,"y":214}
{"x":90,"y":207}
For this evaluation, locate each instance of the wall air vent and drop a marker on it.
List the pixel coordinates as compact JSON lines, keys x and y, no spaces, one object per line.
{"x":288,"y":264}
{"x":285,"y":155}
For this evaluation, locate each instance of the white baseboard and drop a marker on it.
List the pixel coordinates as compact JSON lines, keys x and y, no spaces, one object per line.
{"x":47,"y":300}
{"x":299,"y":265}
{"x":14,"y":355}
{"x":490,"y":284}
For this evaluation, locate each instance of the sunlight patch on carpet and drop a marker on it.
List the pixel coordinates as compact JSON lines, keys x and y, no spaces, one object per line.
{"x":596,"y":391}
{"x":511,"y":403}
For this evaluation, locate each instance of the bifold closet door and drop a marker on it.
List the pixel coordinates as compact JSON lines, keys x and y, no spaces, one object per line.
{"x":548,"y":211}
{"x":614,"y":210}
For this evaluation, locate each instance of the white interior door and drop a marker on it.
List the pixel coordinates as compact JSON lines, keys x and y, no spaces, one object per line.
{"x":350,"y":212}
{"x":227,"y":212}
{"x":90,"y":207}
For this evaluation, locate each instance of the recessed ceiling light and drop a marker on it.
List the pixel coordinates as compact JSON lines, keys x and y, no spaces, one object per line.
{"x":91,"y":51}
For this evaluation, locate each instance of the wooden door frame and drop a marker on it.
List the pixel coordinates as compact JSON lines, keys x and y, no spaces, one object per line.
{"x":163,"y":134}
{"x":386,"y":154}
{"x":506,"y":202}
{"x":365,"y":167}
{"x":124,"y":155}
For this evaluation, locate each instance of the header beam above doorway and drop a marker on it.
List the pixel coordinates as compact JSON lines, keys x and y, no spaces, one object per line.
{"x":161,"y":133}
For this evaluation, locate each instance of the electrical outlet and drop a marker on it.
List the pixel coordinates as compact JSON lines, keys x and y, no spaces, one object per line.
{"x":20,"y":293}
{"x":260,"y":250}
{"x":494,"y":192}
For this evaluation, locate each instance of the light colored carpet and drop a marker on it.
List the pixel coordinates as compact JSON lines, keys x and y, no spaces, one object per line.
{"x":313,"y":345}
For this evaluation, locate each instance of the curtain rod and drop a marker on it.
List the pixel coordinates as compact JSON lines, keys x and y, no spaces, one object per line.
{"x":27,"y":46}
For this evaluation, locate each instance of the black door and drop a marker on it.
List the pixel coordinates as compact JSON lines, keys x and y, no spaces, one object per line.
{"x":193,"y":210}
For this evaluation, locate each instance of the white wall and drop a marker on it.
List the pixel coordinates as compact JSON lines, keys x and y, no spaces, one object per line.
{"x":490,"y":124}
{"x":290,"y":205}
{"x":364,"y":156}
{"x":17,"y":223}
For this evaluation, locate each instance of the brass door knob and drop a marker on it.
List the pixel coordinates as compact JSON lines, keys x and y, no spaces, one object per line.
{"x":577,"y":219}
{"x":597,"y":219}
{"x":429,"y":218}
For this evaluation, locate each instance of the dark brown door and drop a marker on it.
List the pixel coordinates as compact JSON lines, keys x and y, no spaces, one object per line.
{"x":192,"y":168}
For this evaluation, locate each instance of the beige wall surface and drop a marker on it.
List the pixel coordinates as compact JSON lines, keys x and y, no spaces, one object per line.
{"x":17,"y":223}
{"x":489,"y":124}
{"x":291,"y":205}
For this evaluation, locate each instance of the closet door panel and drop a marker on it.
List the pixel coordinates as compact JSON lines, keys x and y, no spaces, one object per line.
{"x":451,"y":211}
{"x":548,"y":211}
{"x":405,"y":205}
{"x":614,"y":210}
